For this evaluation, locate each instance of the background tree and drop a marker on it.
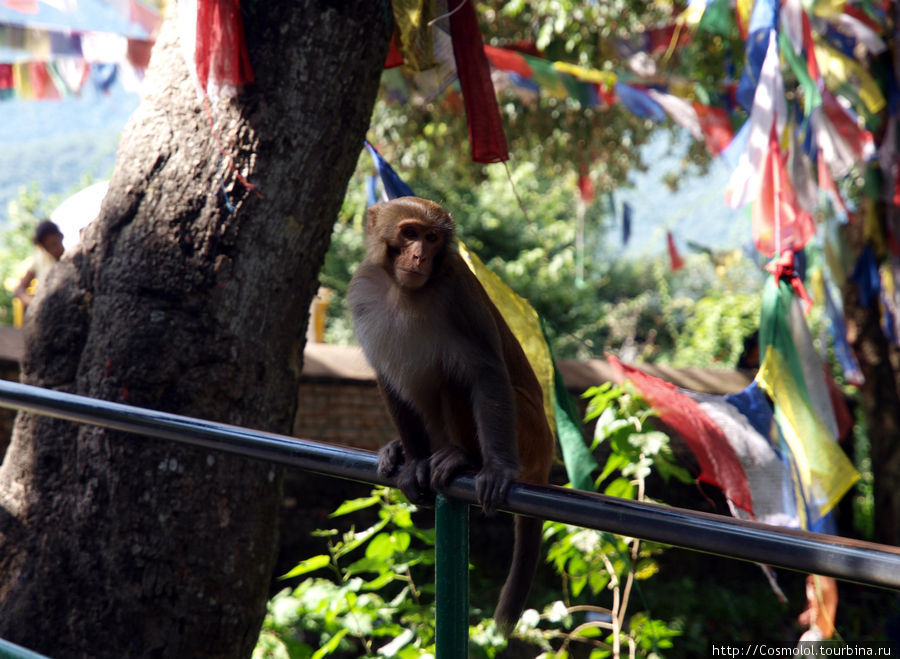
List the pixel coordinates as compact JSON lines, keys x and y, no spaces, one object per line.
{"x":114,"y":545}
{"x":641,"y":308}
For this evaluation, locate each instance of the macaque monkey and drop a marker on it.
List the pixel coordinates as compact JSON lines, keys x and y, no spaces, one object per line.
{"x":455,"y":379}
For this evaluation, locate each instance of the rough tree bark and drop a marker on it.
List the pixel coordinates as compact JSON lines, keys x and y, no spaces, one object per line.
{"x":879,"y":360}
{"x":114,"y":545}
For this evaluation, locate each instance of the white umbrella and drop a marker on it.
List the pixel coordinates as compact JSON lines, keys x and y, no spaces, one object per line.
{"x":79,"y":210}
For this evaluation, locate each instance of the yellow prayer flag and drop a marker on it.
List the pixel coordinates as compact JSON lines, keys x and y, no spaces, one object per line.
{"x":824,"y":471}
{"x":828,"y":8}
{"x":838,"y":69}
{"x":607,"y":78}
{"x":524,"y":323}
{"x":743,"y":9}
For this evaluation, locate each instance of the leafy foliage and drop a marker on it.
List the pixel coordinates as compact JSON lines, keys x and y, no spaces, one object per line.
{"x":377,"y":594}
{"x":379,"y":599}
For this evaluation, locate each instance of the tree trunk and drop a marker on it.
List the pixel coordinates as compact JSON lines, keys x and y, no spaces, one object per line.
{"x":115,"y":545}
{"x":879,"y":395}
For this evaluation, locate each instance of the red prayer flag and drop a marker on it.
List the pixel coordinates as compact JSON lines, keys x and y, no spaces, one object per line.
{"x":778,"y":223}
{"x":812,"y":66}
{"x":146,"y":16}
{"x":674,"y":256}
{"x":42,"y":86}
{"x":716,"y":126}
{"x":394,"y":56}
{"x":845,"y":127}
{"x":138,"y":53}
{"x":586,"y":188}
{"x":22,"y":6}
{"x":6,"y":76}
{"x":486,"y":137}
{"x":897,"y":190}
{"x":508,"y":60}
{"x":719,"y":464}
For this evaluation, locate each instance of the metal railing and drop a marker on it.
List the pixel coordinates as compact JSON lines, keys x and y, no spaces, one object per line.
{"x":843,"y":558}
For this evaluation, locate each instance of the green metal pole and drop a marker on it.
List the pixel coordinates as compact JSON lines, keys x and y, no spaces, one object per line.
{"x":451,"y":579}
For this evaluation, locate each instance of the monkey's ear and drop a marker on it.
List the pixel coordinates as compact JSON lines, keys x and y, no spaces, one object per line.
{"x":372,"y":216}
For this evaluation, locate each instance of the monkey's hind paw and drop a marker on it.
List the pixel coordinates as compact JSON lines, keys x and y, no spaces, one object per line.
{"x":390,"y":458}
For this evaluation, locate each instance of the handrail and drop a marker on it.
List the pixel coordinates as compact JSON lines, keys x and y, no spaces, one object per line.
{"x":862,"y":562}
{"x":12,"y":651}
{"x":843,"y":558}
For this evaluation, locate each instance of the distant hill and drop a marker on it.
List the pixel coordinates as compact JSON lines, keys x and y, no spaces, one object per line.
{"x":58,"y":143}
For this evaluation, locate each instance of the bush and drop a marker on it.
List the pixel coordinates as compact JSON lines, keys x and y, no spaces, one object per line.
{"x":372,"y":593}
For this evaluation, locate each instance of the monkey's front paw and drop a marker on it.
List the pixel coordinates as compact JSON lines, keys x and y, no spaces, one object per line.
{"x":390,"y":457}
{"x":415,"y":482}
{"x":446,"y":463}
{"x":492,"y":485}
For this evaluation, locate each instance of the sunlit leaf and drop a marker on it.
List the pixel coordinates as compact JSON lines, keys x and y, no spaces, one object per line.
{"x":308,"y":565}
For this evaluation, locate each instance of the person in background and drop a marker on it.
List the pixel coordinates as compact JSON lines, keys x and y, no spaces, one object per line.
{"x":48,"y":240}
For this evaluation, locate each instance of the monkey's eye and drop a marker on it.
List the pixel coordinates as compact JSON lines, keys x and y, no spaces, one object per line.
{"x":409,"y":233}
{"x":432,"y":237}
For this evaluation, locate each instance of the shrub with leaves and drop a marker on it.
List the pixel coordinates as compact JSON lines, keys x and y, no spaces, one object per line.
{"x":375,"y":597}
{"x":378,"y":601}
{"x":600,"y":571}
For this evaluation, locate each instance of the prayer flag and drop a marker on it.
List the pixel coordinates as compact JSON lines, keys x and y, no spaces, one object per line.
{"x":221,"y":52}
{"x":680,"y":110}
{"x":769,"y":109}
{"x":674,"y":257}
{"x":639,"y":102}
{"x":508,"y":60}
{"x":394,"y":186}
{"x":768,"y":476}
{"x":716,"y":127}
{"x":824,"y":473}
{"x":487,"y":140}
{"x":719,"y":464}
{"x":778,"y":222}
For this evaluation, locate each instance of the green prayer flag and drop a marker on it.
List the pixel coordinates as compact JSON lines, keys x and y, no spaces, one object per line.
{"x":717,"y":18}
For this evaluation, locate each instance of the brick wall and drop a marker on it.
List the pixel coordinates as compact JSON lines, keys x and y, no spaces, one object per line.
{"x":339,"y":402}
{"x":343,"y":412}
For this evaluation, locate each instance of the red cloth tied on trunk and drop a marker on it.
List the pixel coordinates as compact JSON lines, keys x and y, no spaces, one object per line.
{"x":221,"y":51}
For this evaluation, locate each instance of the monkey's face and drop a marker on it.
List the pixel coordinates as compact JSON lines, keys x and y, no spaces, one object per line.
{"x":414,"y":249}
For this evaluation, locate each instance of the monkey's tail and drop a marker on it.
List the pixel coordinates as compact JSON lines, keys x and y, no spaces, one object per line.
{"x":526,"y":553}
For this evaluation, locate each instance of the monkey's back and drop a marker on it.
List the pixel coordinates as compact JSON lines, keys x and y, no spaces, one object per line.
{"x":534,"y":439}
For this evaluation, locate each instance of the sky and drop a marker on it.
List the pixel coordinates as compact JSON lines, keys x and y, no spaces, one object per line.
{"x":697,"y":212}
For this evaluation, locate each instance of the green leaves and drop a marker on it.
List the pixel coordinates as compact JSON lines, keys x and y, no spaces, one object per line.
{"x":374,"y":604}
{"x":635,"y":450}
{"x":379,"y":598}
{"x":308,"y":565}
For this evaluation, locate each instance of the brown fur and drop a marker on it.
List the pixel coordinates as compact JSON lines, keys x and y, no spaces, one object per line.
{"x":455,"y":379}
